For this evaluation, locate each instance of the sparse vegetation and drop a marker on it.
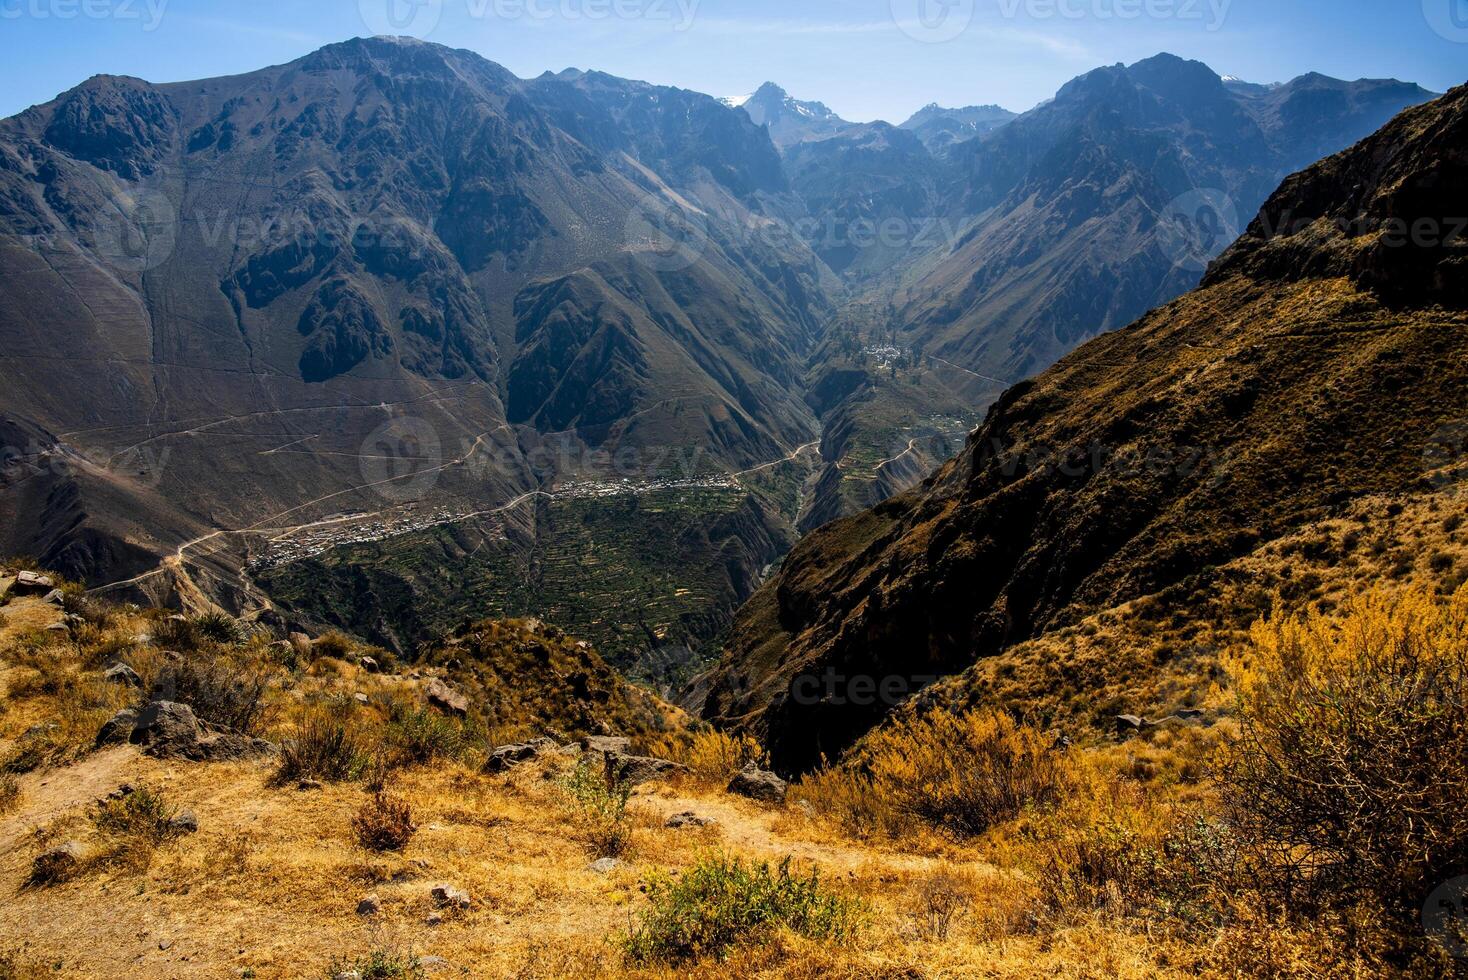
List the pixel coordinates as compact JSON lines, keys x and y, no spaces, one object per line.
{"x":222,"y":689}
{"x":600,"y":806}
{"x":384,"y":823}
{"x":326,"y":746}
{"x":721,"y":903}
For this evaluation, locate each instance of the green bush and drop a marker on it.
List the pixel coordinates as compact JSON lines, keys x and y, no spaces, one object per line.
{"x":324,"y":747}
{"x":722,"y":903}
{"x":421,"y":735}
{"x":600,"y":804}
{"x":136,"y":823}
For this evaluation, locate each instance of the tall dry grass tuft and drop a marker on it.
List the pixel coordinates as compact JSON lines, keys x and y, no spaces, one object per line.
{"x":959,"y":773}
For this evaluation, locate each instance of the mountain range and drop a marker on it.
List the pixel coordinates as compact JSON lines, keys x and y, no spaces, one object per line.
{"x":1283,"y":433}
{"x":386,"y":334}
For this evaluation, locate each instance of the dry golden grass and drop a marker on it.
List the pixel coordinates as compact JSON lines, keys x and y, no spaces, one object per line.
{"x":979,"y":848}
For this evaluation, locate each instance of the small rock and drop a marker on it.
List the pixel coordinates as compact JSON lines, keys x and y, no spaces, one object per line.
{"x":361,"y":698}
{"x":447,"y":896}
{"x":689,"y":819}
{"x":446,"y":699}
{"x":455,"y":664}
{"x":434,"y":919}
{"x":759,"y":784}
{"x":58,"y":628}
{"x":369,"y":905}
{"x":184,"y":823}
{"x":370,"y":665}
{"x":55,"y":597}
{"x":1191,"y":714}
{"x":122,"y":674}
{"x":605,"y":865}
{"x":308,"y":784}
{"x":433,"y":963}
{"x":165,"y":944}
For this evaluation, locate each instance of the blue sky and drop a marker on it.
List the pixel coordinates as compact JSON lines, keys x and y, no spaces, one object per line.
{"x":865,"y":58}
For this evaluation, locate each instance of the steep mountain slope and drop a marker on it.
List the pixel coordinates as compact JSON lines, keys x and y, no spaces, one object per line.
{"x":1302,"y":400}
{"x":1076,"y":218}
{"x":387,"y":284}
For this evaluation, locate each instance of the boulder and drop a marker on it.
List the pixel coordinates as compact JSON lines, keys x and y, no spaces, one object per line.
{"x":169,"y":730}
{"x":122,"y":674}
{"x":369,"y":905}
{"x":446,"y":699}
{"x":689,"y":819}
{"x":507,"y":757}
{"x":1126,"y":724}
{"x":55,"y":597}
{"x":58,"y":628}
{"x":449,"y":897}
{"x":759,"y":784}
{"x":370,"y":665}
{"x":637,"y":769}
{"x":32,"y":583}
{"x":118,"y":728}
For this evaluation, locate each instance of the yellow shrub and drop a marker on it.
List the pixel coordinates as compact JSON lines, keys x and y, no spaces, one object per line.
{"x":1351,"y":771}
{"x":960,"y":773}
{"x":715,"y":755}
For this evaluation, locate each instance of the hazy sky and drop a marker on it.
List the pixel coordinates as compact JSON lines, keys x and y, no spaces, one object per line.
{"x":867,"y":59}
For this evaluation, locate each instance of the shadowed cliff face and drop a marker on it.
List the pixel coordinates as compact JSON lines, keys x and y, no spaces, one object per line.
{"x":1312,"y":367}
